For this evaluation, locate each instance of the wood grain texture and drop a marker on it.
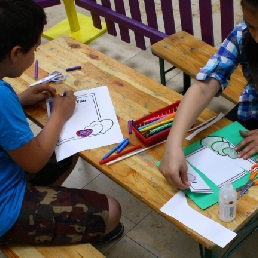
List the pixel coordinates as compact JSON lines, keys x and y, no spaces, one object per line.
{"x":189,"y":54}
{"x":133,"y":95}
{"x":68,"y":251}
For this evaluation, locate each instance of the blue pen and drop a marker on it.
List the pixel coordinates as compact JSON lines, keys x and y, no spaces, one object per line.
{"x":126,"y":142}
{"x":114,"y":149}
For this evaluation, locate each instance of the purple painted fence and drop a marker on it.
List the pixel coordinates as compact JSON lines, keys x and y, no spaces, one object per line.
{"x":47,"y":3}
{"x":149,"y":29}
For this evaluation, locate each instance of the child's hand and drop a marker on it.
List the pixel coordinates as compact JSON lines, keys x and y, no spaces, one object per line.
{"x":37,"y":93}
{"x":249,"y":146}
{"x":63,"y":106}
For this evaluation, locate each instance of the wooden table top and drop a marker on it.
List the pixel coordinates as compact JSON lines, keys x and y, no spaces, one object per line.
{"x":133,"y":95}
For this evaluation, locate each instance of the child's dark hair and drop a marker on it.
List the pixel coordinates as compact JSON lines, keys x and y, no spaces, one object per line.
{"x":250,"y":44}
{"x":21,"y":24}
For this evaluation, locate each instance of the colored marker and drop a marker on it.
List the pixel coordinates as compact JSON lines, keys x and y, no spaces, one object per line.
{"x":154,"y":119}
{"x":65,"y":92}
{"x":135,"y":126}
{"x":73,"y":68}
{"x":36,"y":70}
{"x":131,"y":154}
{"x":156,"y":125}
{"x":120,"y":154}
{"x":114,"y":149}
{"x":129,"y":127}
{"x":146,"y":125}
{"x":126,"y":142}
{"x":159,"y":129}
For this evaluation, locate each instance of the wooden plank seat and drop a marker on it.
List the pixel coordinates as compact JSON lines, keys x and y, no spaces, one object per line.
{"x":189,"y":54}
{"x":65,"y":251}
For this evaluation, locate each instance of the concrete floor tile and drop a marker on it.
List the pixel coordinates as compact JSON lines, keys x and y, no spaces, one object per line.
{"x":163,"y":239}
{"x":128,"y":225}
{"x":132,"y":208}
{"x":82,"y":175}
{"x":35,"y":129}
{"x":128,"y":248}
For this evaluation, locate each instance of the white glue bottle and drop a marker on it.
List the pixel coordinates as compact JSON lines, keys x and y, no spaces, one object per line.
{"x":227,"y":202}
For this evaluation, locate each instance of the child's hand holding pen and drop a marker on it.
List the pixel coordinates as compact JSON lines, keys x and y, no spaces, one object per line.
{"x":63,"y":105}
{"x":33,"y":95}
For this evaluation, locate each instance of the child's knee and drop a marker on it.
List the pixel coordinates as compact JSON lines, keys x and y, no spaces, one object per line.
{"x":114,"y":208}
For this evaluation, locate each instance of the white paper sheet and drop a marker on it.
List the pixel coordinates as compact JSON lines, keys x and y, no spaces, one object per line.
{"x":191,"y":136}
{"x":217,"y":168}
{"x":178,"y":208}
{"x":198,"y":185}
{"x":94,"y":115}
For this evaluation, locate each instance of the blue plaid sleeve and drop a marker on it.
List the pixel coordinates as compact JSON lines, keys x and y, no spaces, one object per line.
{"x":221,"y":65}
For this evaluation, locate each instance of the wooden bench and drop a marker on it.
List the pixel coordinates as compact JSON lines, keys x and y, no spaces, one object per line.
{"x":66,"y":251}
{"x":189,"y":54}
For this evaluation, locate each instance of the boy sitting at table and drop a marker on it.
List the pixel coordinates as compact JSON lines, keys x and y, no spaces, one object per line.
{"x":40,"y":211}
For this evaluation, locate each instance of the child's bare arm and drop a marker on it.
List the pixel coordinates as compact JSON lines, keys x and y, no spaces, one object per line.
{"x":36,"y":153}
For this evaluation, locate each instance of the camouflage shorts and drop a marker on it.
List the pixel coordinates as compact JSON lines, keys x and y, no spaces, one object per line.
{"x":59,"y":215}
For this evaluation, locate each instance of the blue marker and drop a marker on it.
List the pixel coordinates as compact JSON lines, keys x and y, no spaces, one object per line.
{"x":114,"y":149}
{"x":73,"y":68}
{"x":126,"y":142}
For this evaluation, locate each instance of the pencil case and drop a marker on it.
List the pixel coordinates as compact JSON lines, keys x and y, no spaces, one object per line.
{"x":160,"y":136}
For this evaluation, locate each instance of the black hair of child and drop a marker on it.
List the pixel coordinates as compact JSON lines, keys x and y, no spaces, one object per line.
{"x":21,"y":24}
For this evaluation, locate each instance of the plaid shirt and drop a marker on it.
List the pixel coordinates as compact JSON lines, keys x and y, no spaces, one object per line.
{"x":220,"y":66}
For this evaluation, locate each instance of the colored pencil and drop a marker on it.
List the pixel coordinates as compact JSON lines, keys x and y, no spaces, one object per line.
{"x":120,"y":154}
{"x":132,"y":153}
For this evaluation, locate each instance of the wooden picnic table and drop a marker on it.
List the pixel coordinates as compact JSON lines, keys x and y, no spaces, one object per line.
{"x":133,"y":96}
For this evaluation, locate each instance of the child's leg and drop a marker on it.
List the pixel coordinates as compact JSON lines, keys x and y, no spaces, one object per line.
{"x":58,"y":215}
{"x":63,"y":177}
{"x":53,"y":173}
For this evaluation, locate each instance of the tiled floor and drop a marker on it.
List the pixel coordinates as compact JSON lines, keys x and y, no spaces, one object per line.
{"x":147,"y":234}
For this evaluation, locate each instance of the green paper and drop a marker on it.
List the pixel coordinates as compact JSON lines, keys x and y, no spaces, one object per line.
{"x":230,"y":133}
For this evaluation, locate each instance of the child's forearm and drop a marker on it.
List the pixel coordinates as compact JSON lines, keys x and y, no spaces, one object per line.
{"x":46,"y":140}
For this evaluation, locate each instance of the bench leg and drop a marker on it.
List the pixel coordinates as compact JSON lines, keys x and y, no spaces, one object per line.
{"x":162,"y":71}
{"x":187,"y":82}
{"x":208,"y":253}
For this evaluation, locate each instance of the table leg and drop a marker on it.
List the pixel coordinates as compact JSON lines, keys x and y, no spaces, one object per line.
{"x":77,"y":26}
{"x":71,"y":15}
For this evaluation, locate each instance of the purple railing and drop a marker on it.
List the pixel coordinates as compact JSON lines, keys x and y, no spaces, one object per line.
{"x":150,"y":29}
{"x":47,"y":3}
